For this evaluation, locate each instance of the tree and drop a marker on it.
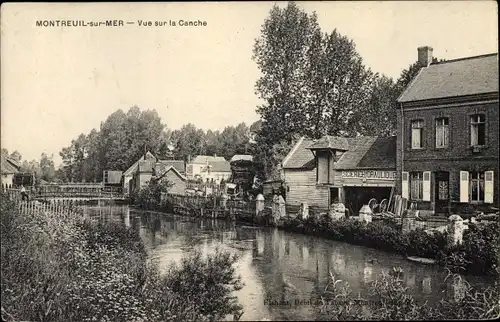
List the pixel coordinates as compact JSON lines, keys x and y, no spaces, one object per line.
{"x":234,"y":140}
{"x":338,"y":87}
{"x":47,"y":169}
{"x":31,"y":166}
{"x":281,"y":55}
{"x":116,"y":140}
{"x":189,"y":141}
{"x":312,"y":83}
{"x":378,"y":117}
{"x":212,"y":142}
{"x":144,"y":130}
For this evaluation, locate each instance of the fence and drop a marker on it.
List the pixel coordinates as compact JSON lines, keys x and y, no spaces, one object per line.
{"x":61,"y":208}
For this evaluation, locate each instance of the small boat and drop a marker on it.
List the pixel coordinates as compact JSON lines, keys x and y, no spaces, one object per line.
{"x":421,"y":260}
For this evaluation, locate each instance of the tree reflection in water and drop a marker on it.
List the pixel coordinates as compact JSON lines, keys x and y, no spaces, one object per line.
{"x":284,"y":266}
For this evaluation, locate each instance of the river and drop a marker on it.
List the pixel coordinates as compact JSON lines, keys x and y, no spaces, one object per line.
{"x":276,"y":265}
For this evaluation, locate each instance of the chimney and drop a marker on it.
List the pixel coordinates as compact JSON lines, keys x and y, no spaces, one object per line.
{"x":424,"y":56}
{"x":215,"y":155}
{"x":189,"y":158}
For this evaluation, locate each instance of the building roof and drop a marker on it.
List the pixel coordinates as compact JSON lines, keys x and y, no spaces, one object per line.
{"x":133,"y":167}
{"x":454,"y":78}
{"x":300,"y":157}
{"x":9,"y":166}
{"x":219,"y":166}
{"x":362,"y":152}
{"x":160,"y":166}
{"x":174,"y":170}
{"x":369,"y":152}
{"x":145,"y":166}
{"x":179,"y":165}
{"x":204,"y":159}
{"x":245,"y":157}
{"x":331,"y":142}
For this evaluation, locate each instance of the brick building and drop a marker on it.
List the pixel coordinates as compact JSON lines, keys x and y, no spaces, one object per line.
{"x":447,"y":159}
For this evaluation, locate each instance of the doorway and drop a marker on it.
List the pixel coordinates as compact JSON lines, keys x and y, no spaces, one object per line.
{"x":334,"y":195}
{"x":442,"y":192}
{"x":356,"y":197}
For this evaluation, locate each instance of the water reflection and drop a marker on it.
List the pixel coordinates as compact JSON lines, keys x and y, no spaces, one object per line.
{"x":277,"y":265}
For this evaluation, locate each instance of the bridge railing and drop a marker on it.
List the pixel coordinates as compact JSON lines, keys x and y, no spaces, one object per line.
{"x":58,"y":192}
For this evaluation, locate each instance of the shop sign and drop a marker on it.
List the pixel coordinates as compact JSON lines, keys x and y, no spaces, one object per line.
{"x":369,"y":174}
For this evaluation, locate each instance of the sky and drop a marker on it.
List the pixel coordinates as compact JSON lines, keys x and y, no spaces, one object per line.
{"x":58,"y":82}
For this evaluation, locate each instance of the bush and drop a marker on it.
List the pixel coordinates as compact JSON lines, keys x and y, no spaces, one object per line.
{"x":479,"y":253}
{"x":390,"y":299}
{"x":207,"y":283}
{"x":58,"y":268}
{"x":150,"y":196}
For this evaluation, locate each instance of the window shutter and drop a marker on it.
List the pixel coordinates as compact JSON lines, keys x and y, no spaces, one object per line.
{"x":426,"y":186}
{"x":404,"y":185}
{"x":464,"y":186}
{"x":488,"y":187}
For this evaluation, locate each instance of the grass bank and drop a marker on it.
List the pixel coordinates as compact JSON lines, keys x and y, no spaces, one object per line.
{"x":66,"y":268}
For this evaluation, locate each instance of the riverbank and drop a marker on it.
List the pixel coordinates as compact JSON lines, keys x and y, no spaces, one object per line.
{"x":477,"y":255}
{"x":302,"y":263}
{"x":63,"y":267}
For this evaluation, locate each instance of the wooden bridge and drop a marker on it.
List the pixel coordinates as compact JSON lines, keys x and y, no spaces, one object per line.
{"x":68,"y":192}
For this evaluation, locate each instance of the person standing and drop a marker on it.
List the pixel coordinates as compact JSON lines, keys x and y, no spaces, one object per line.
{"x":24,"y":195}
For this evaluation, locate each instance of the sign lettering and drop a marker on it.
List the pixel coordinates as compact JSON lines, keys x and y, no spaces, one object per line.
{"x":369,"y":174}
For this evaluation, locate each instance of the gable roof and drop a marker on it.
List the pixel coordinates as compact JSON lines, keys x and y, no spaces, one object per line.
{"x":9,"y":166}
{"x":204,"y":159}
{"x":179,"y":165}
{"x":238,"y":157}
{"x":133,"y":167}
{"x":453,"y":78}
{"x":369,"y":152}
{"x":174,"y":170}
{"x":300,"y":157}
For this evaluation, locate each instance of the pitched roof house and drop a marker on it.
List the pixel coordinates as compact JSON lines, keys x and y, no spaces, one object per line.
{"x":9,"y":167}
{"x":211,"y":168}
{"x":448,"y":137}
{"x":146,"y":165}
{"x":320,"y":171}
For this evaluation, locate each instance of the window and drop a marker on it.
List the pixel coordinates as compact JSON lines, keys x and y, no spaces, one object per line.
{"x":416,"y":186}
{"x":477,"y":130}
{"x":476,"y":186}
{"x":442,"y":132}
{"x":417,"y":129}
